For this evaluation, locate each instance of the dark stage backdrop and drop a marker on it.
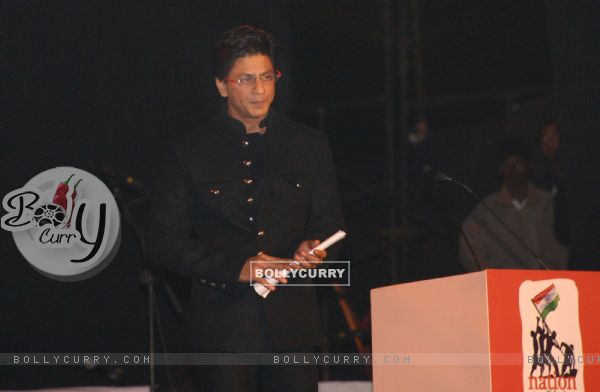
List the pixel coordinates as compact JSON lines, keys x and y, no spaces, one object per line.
{"x":576,"y":55}
{"x":110,"y":83}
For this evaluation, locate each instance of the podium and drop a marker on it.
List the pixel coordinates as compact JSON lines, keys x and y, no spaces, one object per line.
{"x":495,"y":330}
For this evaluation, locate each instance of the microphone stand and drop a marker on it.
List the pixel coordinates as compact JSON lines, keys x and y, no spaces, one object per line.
{"x":427,"y":170}
{"x":147,"y":278}
{"x":471,"y":249}
{"x":118,"y":180}
{"x":444,"y":178}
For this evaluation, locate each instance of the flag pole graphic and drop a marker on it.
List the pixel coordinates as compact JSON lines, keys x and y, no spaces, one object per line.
{"x":549,"y":307}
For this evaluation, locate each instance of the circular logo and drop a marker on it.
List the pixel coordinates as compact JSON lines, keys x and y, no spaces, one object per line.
{"x":65,"y":222}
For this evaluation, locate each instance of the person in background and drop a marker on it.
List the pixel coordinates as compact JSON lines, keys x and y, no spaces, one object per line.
{"x":547,"y":173}
{"x":546,"y":167}
{"x":525,"y":208}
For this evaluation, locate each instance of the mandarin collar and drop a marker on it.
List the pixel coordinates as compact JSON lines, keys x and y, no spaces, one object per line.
{"x":234,"y":128}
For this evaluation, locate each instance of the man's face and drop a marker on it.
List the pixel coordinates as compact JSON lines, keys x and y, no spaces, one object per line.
{"x":248,"y":102}
{"x":550,"y":140}
{"x":514,"y":170}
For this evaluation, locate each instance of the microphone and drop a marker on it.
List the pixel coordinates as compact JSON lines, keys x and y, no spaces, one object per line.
{"x":442,"y":177}
{"x":438,"y":176}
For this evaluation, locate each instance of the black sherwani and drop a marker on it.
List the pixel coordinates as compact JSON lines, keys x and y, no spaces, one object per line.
{"x":223,"y":196}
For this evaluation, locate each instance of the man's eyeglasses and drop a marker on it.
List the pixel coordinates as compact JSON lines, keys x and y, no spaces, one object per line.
{"x":250,"y":80}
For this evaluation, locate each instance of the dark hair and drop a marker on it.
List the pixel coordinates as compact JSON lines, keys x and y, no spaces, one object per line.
{"x":546,"y":125}
{"x":518,"y":147}
{"x":240,"y":42}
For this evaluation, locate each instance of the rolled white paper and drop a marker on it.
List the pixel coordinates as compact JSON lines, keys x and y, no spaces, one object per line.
{"x":339,"y":235}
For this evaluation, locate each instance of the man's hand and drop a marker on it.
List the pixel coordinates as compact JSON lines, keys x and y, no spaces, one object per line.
{"x":263,"y":261}
{"x":305,"y":259}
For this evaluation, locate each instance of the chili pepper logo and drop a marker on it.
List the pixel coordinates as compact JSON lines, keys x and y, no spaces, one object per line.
{"x":56,"y":213}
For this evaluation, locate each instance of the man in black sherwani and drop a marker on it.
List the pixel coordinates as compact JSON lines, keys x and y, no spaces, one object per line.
{"x":249,"y":186}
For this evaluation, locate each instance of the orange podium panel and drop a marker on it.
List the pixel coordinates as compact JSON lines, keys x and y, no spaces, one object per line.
{"x":495,"y":330}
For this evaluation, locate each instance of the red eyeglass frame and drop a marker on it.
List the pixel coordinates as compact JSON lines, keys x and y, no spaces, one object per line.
{"x":278,"y":76}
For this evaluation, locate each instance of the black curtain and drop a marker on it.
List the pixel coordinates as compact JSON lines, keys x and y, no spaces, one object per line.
{"x":574,"y":30}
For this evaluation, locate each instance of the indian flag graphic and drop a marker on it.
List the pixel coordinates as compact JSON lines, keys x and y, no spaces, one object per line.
{"x":546,"y":301}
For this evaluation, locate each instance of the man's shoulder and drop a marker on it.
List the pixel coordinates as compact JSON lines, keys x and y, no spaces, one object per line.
{"x":295,"y":128}
{"x":479,"y":212}
{"x":542,"y":195}
{"x":491,"y":198}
